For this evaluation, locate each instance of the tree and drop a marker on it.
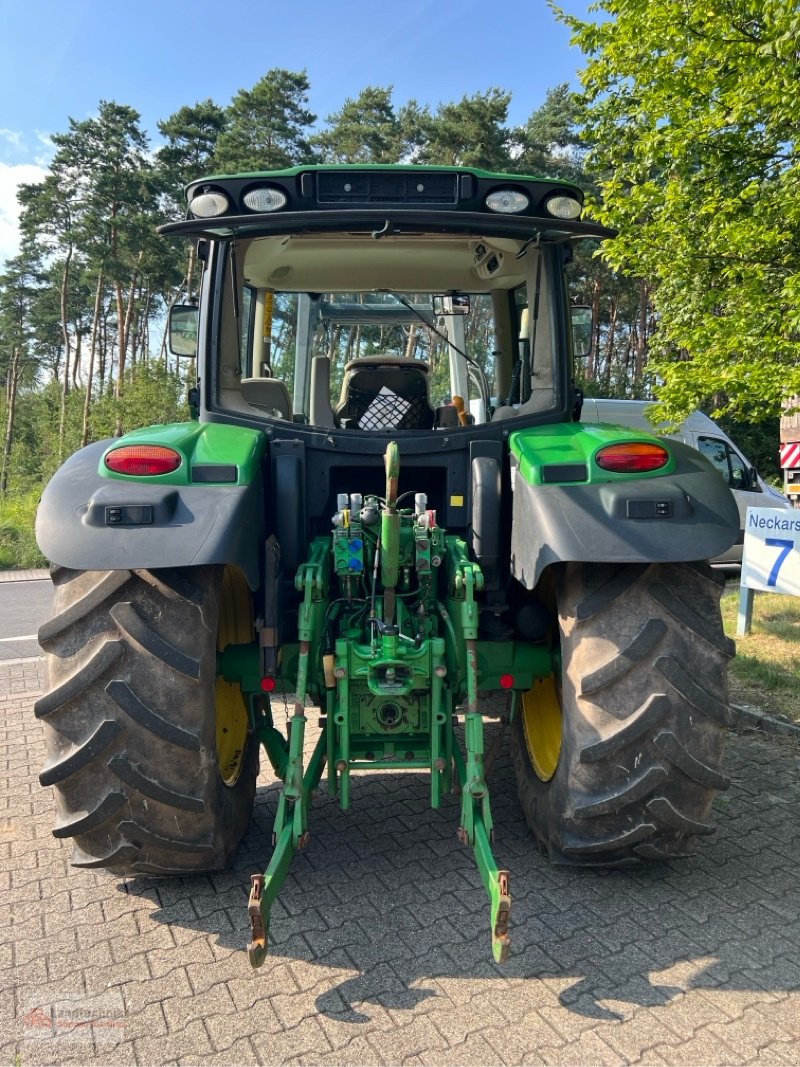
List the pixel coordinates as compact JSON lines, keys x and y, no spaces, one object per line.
{"x":550,"y":142}
{"x":17,"y":292}
{"x":692,"y":110}
{"x":268,"y":125}
{"x":364,"y":130}
{"x":471,"y":133}
{"x":191,"y":136}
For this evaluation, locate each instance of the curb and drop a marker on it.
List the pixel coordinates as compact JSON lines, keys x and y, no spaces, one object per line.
{"x":30,"y":575}
{"x":749,"y":719}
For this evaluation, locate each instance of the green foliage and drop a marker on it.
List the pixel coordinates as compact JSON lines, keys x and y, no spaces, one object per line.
{"x":92,"y":282}
{"x":364,"y":130}
{"x":18,"y":548}
{"x":152,"y":394}
{"x":550,"y":142}
{"x":692,"y":114}
{"x":470,"y":133}
{"x":765,"y":671}
{"x":268,"y":126}
{"x":191,"y":140}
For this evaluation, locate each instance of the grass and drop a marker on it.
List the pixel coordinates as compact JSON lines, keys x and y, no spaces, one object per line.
{"x":18,"y":548}
{"x":766,"y":669}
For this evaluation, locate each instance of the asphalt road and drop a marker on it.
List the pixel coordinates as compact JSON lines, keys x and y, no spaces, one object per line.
{"x":24,"y":606}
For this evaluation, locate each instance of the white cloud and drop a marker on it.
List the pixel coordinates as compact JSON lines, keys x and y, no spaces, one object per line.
{"x":46,"y":148}
{"x":12,"y":175}
{"x":11,"y":137}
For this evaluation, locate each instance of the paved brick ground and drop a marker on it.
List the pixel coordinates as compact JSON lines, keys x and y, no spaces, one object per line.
{"x":381,"y":948}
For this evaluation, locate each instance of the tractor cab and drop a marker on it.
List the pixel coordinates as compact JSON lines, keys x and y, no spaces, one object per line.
{"x":394,"y":319}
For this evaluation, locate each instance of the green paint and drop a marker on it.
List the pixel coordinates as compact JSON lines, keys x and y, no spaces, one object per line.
{"x":577,"y":443}
{"x":396,"y":168}
{"x":393,"y":680}
{"x":198,"y":444}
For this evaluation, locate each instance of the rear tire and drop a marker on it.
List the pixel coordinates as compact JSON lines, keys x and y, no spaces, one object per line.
{"x":644,"y":716}
{"x":131,"y":720}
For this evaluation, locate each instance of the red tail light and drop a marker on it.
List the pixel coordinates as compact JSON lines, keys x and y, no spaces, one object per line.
{"x":632,"y":457}
{"x":143,"y":460}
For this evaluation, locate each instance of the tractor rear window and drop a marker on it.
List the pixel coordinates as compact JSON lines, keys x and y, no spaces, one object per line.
{"x":389,"y":357}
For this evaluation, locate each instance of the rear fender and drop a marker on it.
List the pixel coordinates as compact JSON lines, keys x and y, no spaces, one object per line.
{"x":210,"y":510}
{"x":687,"y":513}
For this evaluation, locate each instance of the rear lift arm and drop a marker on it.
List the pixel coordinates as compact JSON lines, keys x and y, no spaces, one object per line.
{"x":392,"y":675}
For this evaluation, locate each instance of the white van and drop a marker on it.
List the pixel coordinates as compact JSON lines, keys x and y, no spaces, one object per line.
{"x":700,"y":432}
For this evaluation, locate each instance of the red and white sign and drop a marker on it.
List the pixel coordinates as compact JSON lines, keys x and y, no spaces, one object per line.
{"x":790,"y":455}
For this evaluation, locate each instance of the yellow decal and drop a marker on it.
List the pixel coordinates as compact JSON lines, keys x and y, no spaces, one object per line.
{"x":456,"y":501}
{"x":269,"y":300}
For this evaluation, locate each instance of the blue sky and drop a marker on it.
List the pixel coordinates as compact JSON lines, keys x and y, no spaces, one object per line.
{"x":58,"y":58}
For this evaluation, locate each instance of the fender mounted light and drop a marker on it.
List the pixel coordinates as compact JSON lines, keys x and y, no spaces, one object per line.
{"x":143,"y":460}
{"x":632,"y":457}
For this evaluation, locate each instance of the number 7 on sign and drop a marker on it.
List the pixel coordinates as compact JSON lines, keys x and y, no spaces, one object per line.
{"x":785,"y":547}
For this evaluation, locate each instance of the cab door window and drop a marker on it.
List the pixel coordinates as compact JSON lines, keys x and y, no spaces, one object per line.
{"x":728,"y":462}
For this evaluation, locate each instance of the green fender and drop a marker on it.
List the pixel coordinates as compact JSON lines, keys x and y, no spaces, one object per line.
{"x":209,"y":510}
{"x":567,"y":508}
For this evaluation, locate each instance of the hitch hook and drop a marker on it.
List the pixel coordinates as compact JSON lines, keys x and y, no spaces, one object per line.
{"x":257,"y":949}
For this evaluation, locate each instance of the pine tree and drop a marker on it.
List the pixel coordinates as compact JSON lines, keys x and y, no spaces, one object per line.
{"x":268,"y":126}
{"x":364,"y":130}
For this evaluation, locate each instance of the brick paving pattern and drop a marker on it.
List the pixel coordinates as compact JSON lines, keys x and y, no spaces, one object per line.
{"x":380,"y":943}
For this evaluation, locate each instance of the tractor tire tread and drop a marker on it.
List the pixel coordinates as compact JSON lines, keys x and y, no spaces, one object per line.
{"x":615,"y":585}
{"x":671,"y":748}
{"x":102,"y":659}
{"x":137,"y":630}
{"x":82,"y":756}
{"x":692,"y":692}
{"x":691,"y":619}
{"x":643,"y":733}
{"x":90,"y":820}
{"x":637,"y":650}
{"x":636,"y":789}
{"x":173,"y":584}
{"x":132,"y":775}
{"x":125,"y":699}
{"x":661,"y":808}
{"x":130,"y":727}
{"x":107,"y":584}
{"x":641,"y":723}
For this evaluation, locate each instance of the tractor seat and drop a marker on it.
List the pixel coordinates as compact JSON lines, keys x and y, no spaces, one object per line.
{"x":385,"y":393}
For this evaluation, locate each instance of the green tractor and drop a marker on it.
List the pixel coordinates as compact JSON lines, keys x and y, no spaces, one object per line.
{"x":386,"y":508}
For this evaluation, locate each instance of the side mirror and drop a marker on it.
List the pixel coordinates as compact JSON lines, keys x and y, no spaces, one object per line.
{"x":183,"y":329}
{"x":581,"y":331}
